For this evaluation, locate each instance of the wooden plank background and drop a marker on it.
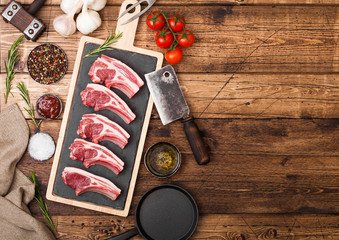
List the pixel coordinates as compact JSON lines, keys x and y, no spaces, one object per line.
{"x":265,"y":173}
{"x":262,"y":81}
{"x":209,"y":2}
{"x":246,"y":95}
{"x":251,"y":39}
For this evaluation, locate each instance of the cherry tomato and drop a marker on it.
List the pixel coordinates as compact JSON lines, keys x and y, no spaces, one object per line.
{"x":164,"y":39}
{"x":173,"y":56}
{"x":155,"y":21}
{"x":177,"y":22}
{"x":185,"y":38}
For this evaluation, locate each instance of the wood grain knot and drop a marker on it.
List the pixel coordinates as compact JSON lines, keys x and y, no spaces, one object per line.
{"x":269,"y":233}
{"x":219,"y":14}
{"x":234,"y":236}
{"x":20,"y":66}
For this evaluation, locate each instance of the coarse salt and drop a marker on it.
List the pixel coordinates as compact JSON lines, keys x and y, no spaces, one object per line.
{"x":41,"y":146}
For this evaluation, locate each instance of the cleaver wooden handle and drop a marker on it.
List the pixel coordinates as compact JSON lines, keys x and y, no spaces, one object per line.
{"x":196,"y":142}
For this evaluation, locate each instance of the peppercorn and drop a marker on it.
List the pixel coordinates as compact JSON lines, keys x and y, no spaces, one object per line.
{"x":47,"y":63}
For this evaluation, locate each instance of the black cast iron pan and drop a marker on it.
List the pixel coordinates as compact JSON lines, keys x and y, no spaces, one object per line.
{"x":166,"y":212}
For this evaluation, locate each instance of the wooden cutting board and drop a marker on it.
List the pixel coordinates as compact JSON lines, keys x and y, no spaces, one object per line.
{"x":142,"y":61}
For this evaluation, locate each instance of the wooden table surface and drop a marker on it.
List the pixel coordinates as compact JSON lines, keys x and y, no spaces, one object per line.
{"x":262,"y":81}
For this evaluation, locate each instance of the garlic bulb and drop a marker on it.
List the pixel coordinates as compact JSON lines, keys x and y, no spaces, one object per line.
{"x":88,"y":20}
{"x":96,"y":5}
{"x":64,"y":24}
{"x":70,"y":5}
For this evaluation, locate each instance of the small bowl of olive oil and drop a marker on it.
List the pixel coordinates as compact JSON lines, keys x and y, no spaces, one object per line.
{"x":162,"y":159}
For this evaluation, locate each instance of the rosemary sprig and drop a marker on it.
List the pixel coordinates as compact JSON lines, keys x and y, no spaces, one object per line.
{"x":44,"y":210}
{"x":30,"y":110}
{"x":12,"y":59}
{"x":111,"y":39}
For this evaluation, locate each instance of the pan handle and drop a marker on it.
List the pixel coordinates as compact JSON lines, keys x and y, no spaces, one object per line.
{"x":126,"y":235}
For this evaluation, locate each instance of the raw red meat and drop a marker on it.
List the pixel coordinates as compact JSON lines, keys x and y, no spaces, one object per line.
{"x":124,"y":69}
{"x":91,"y":154}
{"x":83,"y":181}
{"x":100,"y":128}
{"x":115,"y":74}
{"x":97,"y":65}
{"x":100,"y":97}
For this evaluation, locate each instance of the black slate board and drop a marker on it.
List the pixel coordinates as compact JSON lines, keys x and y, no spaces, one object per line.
{"x":141,"y":64}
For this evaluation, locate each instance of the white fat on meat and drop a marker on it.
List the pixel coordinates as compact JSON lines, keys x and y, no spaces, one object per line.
{"x":100,"y":128}
{"x":83,"y":181}
{"x":100,"y":97}
{"x":116,"y":74}
{"x":92,"y":154}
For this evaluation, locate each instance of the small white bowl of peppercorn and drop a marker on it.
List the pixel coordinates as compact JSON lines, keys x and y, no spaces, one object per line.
{"x":47,"y":63}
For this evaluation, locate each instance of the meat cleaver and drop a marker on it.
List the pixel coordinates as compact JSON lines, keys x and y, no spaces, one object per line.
{"x":171,"y":105}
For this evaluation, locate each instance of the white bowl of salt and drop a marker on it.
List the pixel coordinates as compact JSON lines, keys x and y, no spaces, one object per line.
{"x":41,"y":146}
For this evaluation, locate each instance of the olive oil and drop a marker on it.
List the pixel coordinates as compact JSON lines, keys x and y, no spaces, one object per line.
{"x":162,"y":159}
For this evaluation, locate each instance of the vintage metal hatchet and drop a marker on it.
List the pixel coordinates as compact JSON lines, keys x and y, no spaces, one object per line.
{"x":23,"y":19}
{"x":171,"y":105}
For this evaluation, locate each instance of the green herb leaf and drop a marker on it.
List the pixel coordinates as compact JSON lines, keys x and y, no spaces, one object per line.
{"x":12,"y":59}
{"x":43,"y":206}
{"x":25,"y":96}
{"x":111,"y":39}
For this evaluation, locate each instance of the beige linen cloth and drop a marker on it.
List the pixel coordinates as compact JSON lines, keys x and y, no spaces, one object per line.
{"x":16,"y":190}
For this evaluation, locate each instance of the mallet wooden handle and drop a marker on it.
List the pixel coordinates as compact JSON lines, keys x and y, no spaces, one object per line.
{"x":35,"y":6}
{"x":195,"y":140}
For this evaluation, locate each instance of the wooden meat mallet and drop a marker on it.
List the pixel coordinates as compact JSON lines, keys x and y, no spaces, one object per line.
{"x":23,"y":19}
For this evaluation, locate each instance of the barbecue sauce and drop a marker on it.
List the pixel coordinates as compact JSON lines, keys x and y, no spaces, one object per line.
{"x":49,"y":106}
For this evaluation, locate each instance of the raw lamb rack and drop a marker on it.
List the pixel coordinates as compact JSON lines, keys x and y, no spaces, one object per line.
{"x":91,"y":154}
{"x":83,"y":181}
{"x":116,"y":74}
{"x":100,"y":97}
{"x":100,"y":128}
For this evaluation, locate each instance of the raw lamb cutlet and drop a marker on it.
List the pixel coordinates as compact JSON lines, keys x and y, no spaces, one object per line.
{"x":83,"y":181}
{"x":124,"y":69}
{"x":115,"y":74}
{"x":91,"y":154}
{"x":100,"y":97}
{"x":100,"y":128}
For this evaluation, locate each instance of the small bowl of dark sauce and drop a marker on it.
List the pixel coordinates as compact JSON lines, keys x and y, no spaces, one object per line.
{"x":162,"y":159}
{"x":48,"y":107}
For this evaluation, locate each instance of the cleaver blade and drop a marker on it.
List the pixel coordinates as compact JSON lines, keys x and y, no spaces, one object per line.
{"x":171,"y":105}
{"x":167,"y":96}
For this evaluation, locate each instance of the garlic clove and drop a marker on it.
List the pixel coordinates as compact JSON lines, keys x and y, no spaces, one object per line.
{"x":88,"y":21}
{"x":96,"y":5}
{"x":88,"y":2}
{"x":64,"y":24}
{"x":71,"y":6}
